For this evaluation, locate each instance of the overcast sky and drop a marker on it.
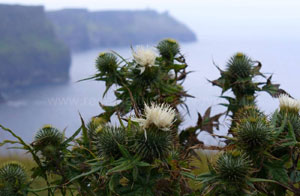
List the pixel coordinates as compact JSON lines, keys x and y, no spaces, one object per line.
{"x":249,"y":17}
{"x":157,"y":4}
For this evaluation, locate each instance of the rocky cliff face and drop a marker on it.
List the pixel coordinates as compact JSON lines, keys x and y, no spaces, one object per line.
{"x":81,"y":29}
{"x":1,"y":99}
{"x":30,"y":53}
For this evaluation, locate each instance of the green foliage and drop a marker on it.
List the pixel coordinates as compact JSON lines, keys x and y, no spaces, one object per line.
{"x":291,"y":119}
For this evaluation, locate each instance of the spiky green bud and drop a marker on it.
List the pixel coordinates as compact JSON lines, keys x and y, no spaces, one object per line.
{"x":155,"y":145}
{"x":249,"y":111}
{"x":254,"y":132}
{"x":48,"y":140}
{"x":233,"y":168}
{"x":95,"y":126}
{"x":239,"y":66}
{"x":13,"y":179}
{"x":48,"y":135}
{"x":168,"y":48}
{"x":108,"y":140}
{"x":106,"y":63}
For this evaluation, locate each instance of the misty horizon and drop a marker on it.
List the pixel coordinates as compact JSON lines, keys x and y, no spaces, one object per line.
{"x":231,"y":19}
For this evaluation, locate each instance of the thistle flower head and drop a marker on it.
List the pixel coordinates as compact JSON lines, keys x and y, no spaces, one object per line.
{"x":47,"y":139}
{"x":95,"y":126}
{"x":239,"y":66}
{"x":12,"y":178}
{"x":168,"y":48}
{"x":289,"y":104}
{"x":233,"y":168}
{"x":161,"y":115}
{"x":106,"y":62}
{"x":145,"y":57}
{"x":254,"y":133}
{"x":108,"y":140}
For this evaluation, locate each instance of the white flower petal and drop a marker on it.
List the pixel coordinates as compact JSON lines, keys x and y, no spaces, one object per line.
{"x":286,"y":102}
{"x":142,"y":69}
{"x":162,"y":116}
{"x":145,"y":57}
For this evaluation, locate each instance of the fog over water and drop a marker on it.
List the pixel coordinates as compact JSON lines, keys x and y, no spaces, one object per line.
{"x":267,"y":31}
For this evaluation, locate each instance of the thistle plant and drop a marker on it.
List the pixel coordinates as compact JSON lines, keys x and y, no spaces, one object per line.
{"x":239,"y":77}
{"x":288,"y":104}
{"x":108,"y":140}
{"x":48,"y":143}
{"x":229,"y":175}
{"x":145,"y":58}
{"x":168,"y":48}
{"x":155,"y":141}
{"x":146,"y":153}
{"x":47,"y":139}
{"x":253,"y":132}
{"x":144,"y":79}
{"x":288,"y":114}
{"x":13,"y":179}
{"x":233,"y":169}
{"x":161,"y":116}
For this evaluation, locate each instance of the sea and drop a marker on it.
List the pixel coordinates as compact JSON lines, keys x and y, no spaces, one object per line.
{"x":27,"y":110}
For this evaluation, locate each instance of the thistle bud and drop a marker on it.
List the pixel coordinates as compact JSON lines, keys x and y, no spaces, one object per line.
{"x":168,"y":48}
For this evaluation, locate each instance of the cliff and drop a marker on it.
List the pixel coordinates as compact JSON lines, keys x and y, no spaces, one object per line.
{"x":30,"y":53}
{"x":81,"y":29}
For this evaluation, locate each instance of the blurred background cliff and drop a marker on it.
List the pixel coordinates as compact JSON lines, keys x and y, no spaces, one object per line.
{"x":35,"y":45}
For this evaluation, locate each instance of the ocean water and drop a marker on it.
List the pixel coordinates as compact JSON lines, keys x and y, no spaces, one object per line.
{"x":26,"y":111}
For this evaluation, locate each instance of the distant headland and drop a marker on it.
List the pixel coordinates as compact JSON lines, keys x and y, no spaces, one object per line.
{"x":35,"y":45}
{"x":81,"y":29}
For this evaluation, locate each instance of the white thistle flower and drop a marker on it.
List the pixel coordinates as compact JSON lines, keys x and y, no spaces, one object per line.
{"x":289,"y":104}
{"x":171,"y":74}
{"x":145,"y":57}
{"x":161,"y":115}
